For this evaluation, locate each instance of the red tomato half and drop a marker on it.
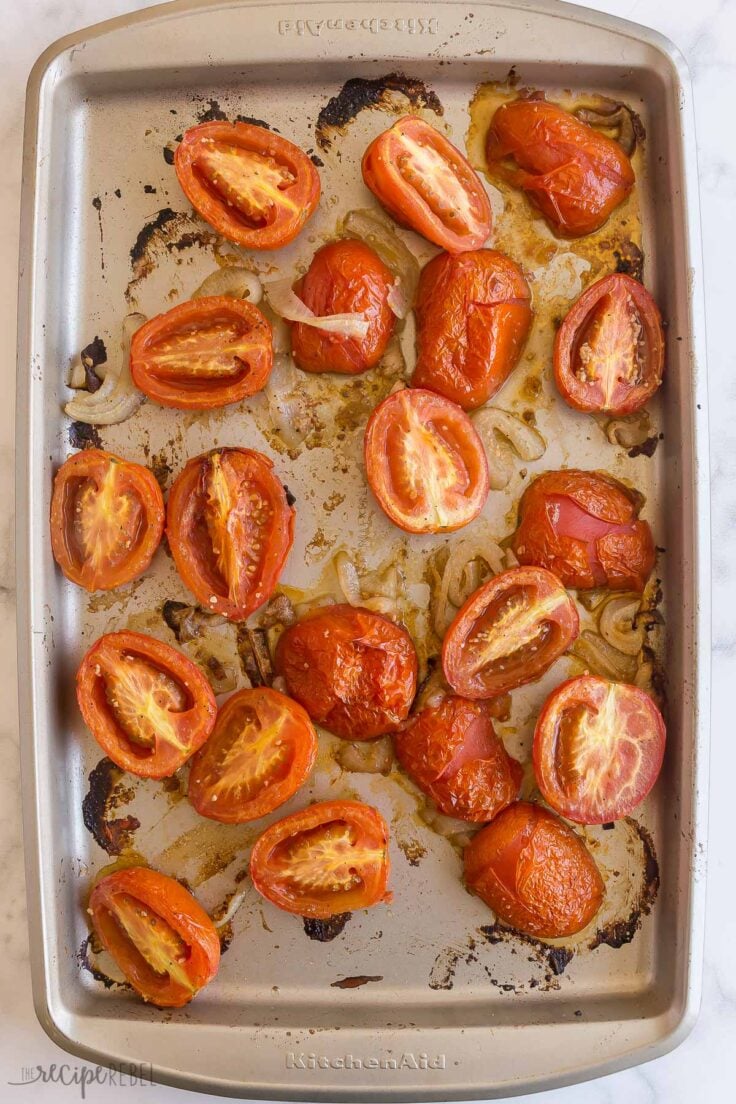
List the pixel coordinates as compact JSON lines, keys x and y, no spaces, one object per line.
{"x":473,"y":315}
{"x":426,"y":184}
{"x":452,"y":752}
{"x":584,"y":526}
{"x":354,"y":671}
{"x":534,"y":872}
{"x":329,"y":858}
{"x":261,"y":751}
{"x":203,"y":353}
{"x":107,"y":519}
{"x":158,"y":934}
{"x":609,"y":350}
{"x":230,"y":529}
{"x":508,"y":633}
{"x":425,"y":462}
{"x":254,"y":187}
{"x":575,"y":175}
{"x":147,"y":705}
{"x":345,"y":277}
{"x":598,"y":749}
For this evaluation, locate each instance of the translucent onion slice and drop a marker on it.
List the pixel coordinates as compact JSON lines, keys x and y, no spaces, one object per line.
{"x":378,"y":233}
{"x":347,"y":577}
{"x":501,"y":433}
{"x":602,"y":658}
{"x":285,"y":302}
{"x":232,"y":280}
{"x":617,"y":624}
{"x":118,"y":396}
{"x":287,"y":402}
{"x":462,"y":575}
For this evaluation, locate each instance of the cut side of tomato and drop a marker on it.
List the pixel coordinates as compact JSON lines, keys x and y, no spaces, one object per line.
{"x":147,"y":705}
{"x":329,"y":858}
{"x":203,"y":353}
{"x":253,"y":186}
{"x":261,"y":751}
{"x":425,"y":462}
{"x":598,"y":749}
{"x":107,"y":519}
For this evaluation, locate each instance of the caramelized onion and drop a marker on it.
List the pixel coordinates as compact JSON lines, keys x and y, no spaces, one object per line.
{"x":501,"y":433}
{"x":118,"y":397}
{"x":601,"y":658}
{"x":236,"y":282}
{"x":618,"y":624}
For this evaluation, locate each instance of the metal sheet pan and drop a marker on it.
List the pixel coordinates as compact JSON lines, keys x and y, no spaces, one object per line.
{"x":442,"y":1018}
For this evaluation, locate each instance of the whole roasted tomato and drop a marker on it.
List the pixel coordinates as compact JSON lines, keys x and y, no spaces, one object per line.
{"x":452,"y":752}
{"x":354,"y":671}
{"x":585,"y":527}
{"x":473,"y":315}
{"x":345,"y":277}
{"x":158,"y":934}
{"x":253,"y":186}
{"x":230,"y":529}
{"x":575,"y":175}
{"x":534,"y":872}
{"x":107,"y":519}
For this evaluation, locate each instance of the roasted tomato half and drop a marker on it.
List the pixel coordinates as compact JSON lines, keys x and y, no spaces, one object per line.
{"x":354,"y":671}
{"x":609,"y":350}
{"x":575,"y":175}
{"x":261,"y":751}
{"x":508,"y":633}
{"x":534,"y":872}
{"x":345,"y":277}
{"x":147,"y":705}
{"x":473,"y":315}
{"x":598,"y":749}
{"x":453,"y":753}
{"x":585,"y":527}
{"x":203,"y":353}
{"x":158,"y":934}
{"x":329,"y":858}
{"x":230,"y":529}
{"x":426,"y":184}
{"x":253,"y":186}
{"x":425,"y":462}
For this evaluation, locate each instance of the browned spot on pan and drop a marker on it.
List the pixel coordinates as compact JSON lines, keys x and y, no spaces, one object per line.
{"x":106,"y":793}
{"x":355,"y":982}
{"x":84,"y":436}
{"x":88,"y":947}
{"x":360,"y":94}
{"x":621,"y":931}
{"x":169,"y":231}
{"x":326,"y":930}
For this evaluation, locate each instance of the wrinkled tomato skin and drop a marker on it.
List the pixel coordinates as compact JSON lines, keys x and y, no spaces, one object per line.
{"x":603,"y":778}
{"x":260,"y":708}
{"x":167,"y":900}
{"x":529,"y":600}
{"x":354,"y":671}
{"x":453,"y":753}
{"x":584,"y":527}
{"x":621,"y":294}
{"x":473,"y":316}
{"x":218,"y":323}
{"x":294,"y":203}
{"x":190,"y":726}
{"x":97,"y":473}
{"x":575,"y":175}
{"x":345,"y":277}
{"x":534,"y":872}
{"x":263,"y":540}
{"x":368,"y":830}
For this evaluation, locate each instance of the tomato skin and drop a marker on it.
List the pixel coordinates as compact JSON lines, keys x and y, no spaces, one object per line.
{"x":213,"y":494}
{"x":604,"y":778}
{"x":534,"y":872}
{"x":473,"y":316}
{"x":207,"y":327}
{"x":367,"y":831}
{"x":575,"y":175}
{"x":415,"y":440}
{"x":255,"y":225}
{"x":169,"y":902}
{"x":187,"y":722}
{"x":345,"y":277}
{"x":102,"y":484}
{"x":354,"y":671}
{"x":251,"y":712}
{"x":584,"y":527}
{"x":453,"y":753}
{"x":524,"y":604}
{"x":425,"y":183}
{"x":625,"y":304}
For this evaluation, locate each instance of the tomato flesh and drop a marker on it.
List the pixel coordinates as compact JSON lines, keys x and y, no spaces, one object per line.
{"x":250,"y":182}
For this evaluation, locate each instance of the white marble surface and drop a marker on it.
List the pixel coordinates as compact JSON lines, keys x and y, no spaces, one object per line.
{"x":702,"y":1066}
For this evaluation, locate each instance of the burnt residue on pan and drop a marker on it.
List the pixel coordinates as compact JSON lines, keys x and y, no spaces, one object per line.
{"x":617,"y":933}
{"x":168,"y":232}
{"x":106,"y":793}
{"x":552,"y":960}
{"x":355,"y":982}
{"x":647,"y":447}
{"x":629,"y":260}
{"x":212,"y":113}
{"x":326,"y":930}
{"x":92,"y":356}
{"x":84,"y":436}
{"x":89,"y":947}
{"x":359,"y":94}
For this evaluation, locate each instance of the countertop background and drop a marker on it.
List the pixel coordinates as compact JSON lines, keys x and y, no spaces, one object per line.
{"x":701,"y":1068}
